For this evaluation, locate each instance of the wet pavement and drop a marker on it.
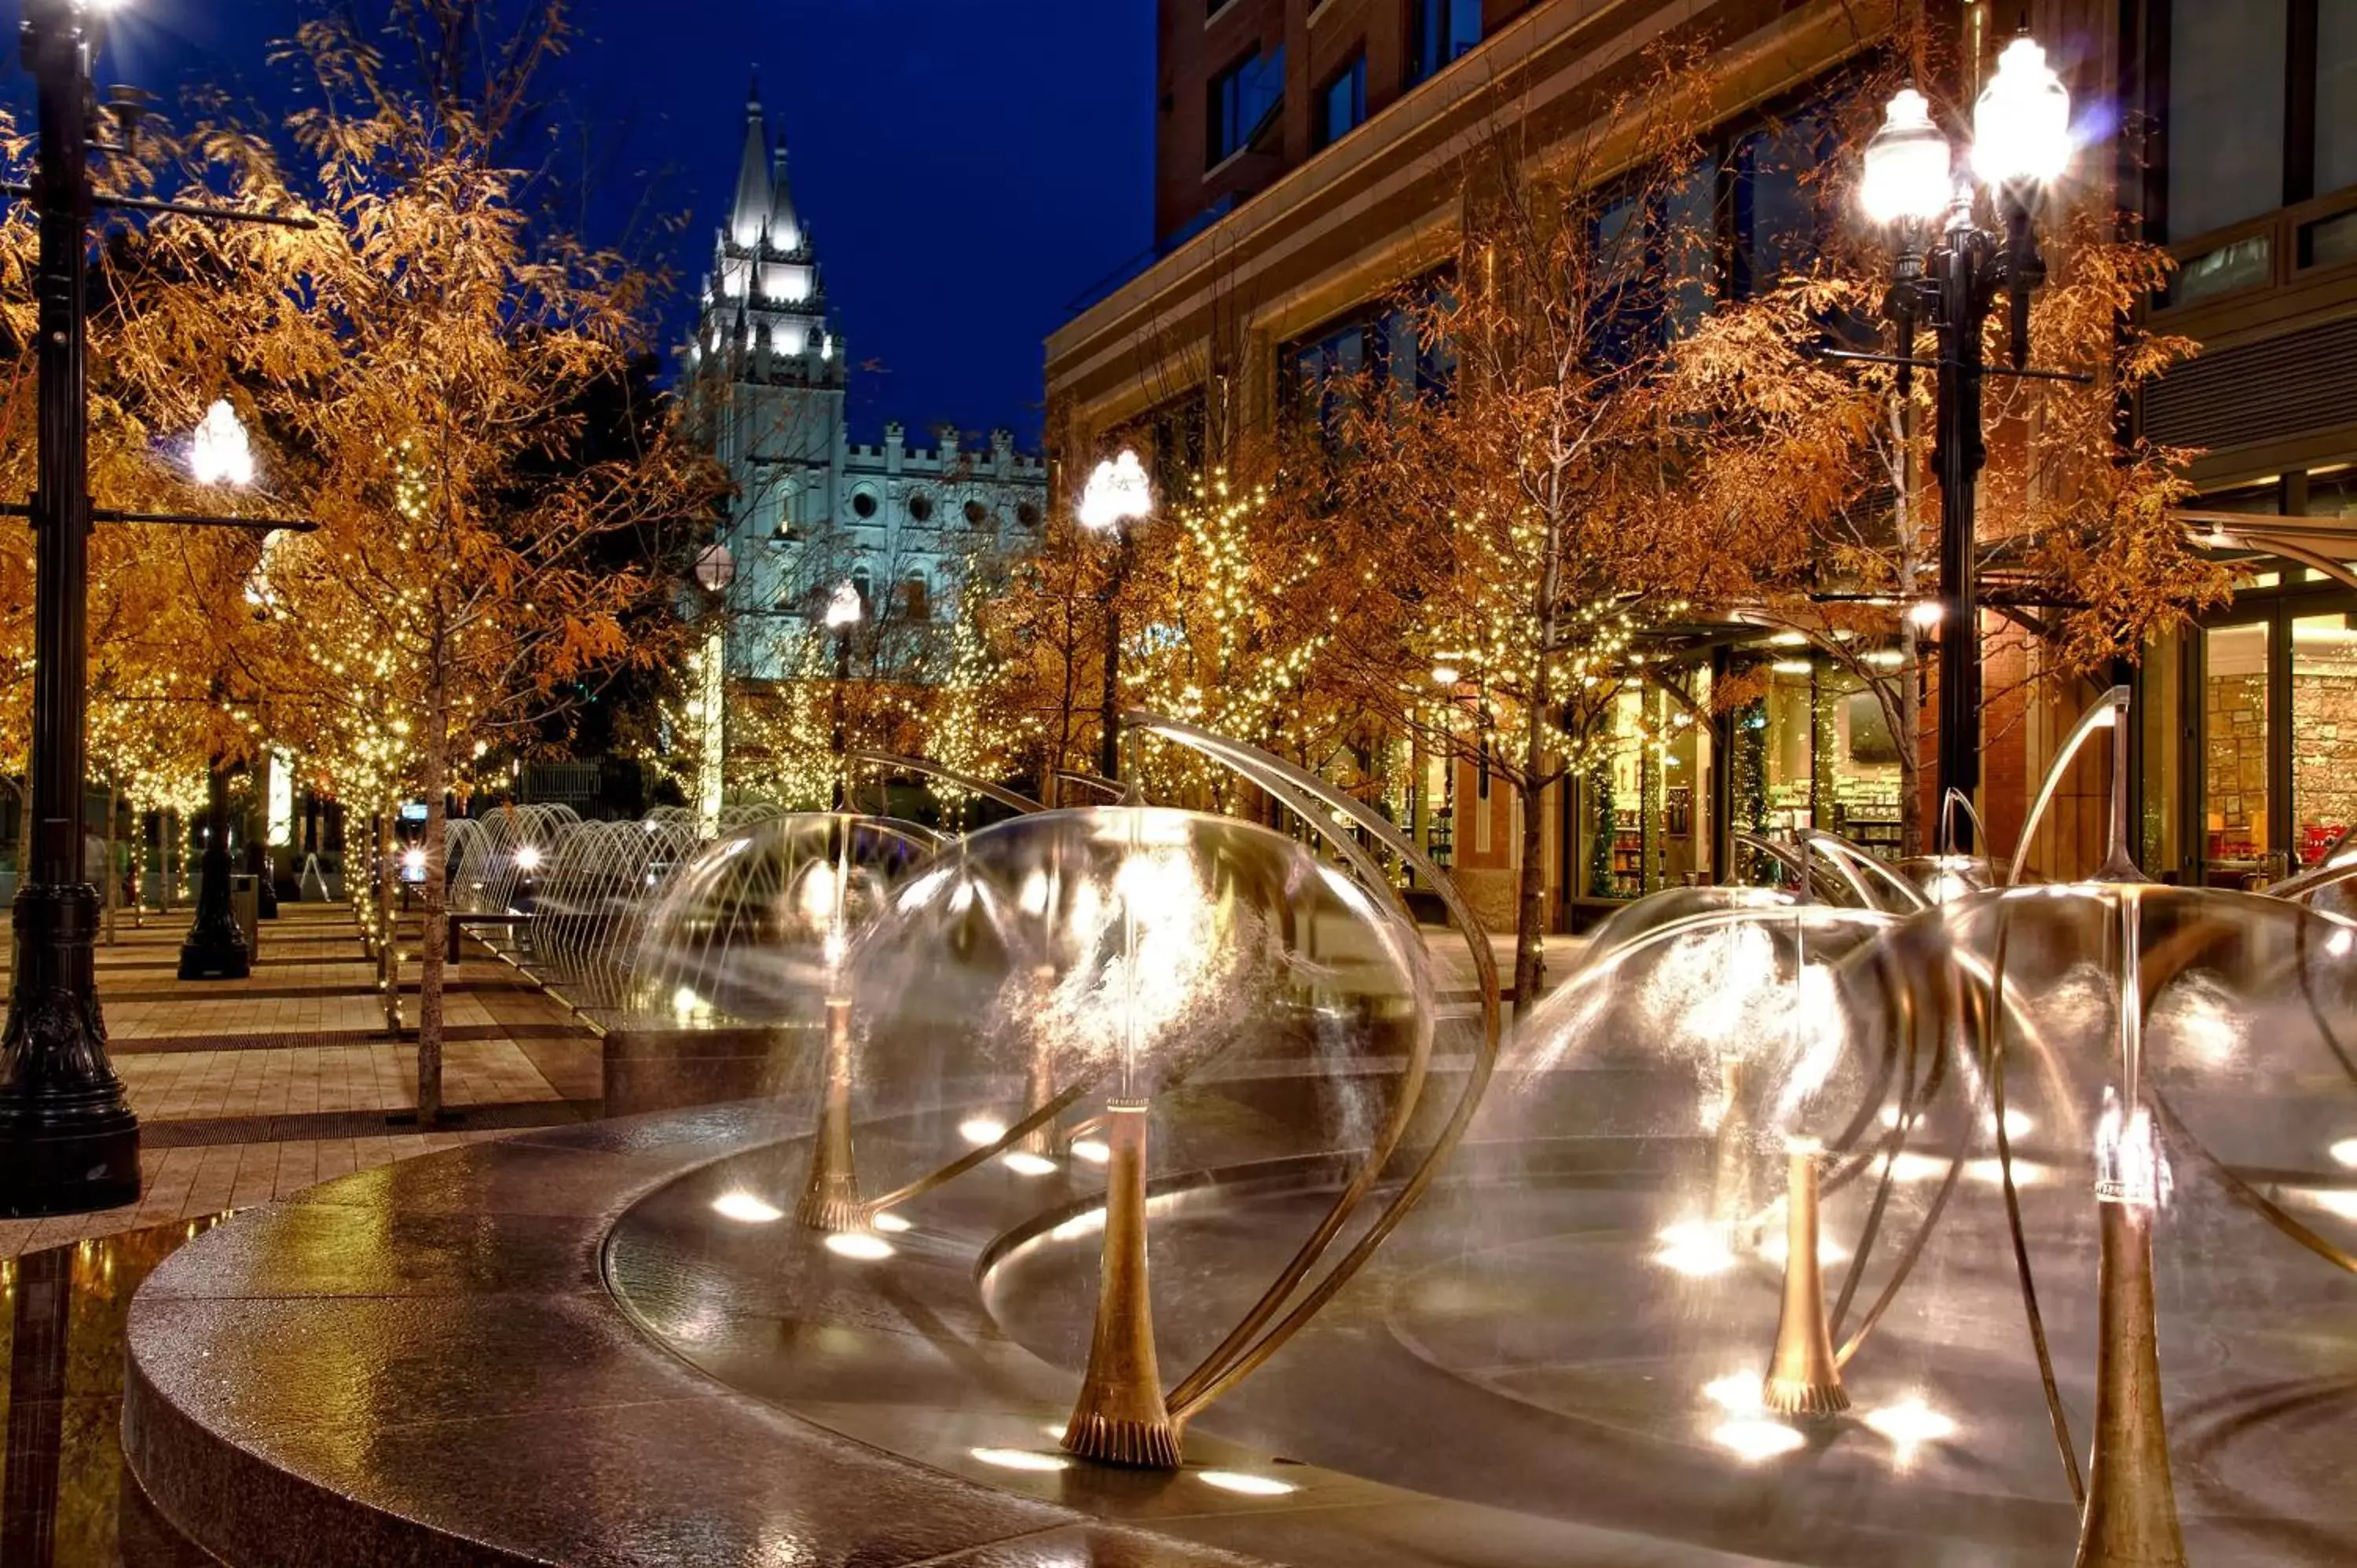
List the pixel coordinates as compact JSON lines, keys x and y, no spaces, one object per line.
{"x":62,"y":1483}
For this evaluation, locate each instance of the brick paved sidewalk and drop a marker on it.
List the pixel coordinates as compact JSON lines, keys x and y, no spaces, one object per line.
{"x":251,"y":1090}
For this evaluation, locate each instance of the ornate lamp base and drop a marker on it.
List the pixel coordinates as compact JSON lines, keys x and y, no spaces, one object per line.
{"x":69,"y":1143}
{"x":1121,"y":1417}
{"x":215,"y":948}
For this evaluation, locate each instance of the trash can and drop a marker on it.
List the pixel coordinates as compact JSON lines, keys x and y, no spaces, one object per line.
{"x":245,"y":904}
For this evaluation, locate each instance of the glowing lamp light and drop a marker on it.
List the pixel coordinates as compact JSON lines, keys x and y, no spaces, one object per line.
{"x":2345,"y":1152}
{"x":1243,"y":1483}
{"x":890,"y":1223}
{"x":1118,"y":492}
{"x":414,"y":862}
{"x":1444,"y":674}
{"x":2338,"y":944}
{"x":1099,"y":1153}
{"x":2021,"y":126}
{"x":716,"y":568}
{"x":1907,"y":163}
{"x":860,"y":1246}
{"x":1925,"y":614}
{"x":528,"y":857}
{"x":1029,"y":1165}
{"x":980,"y":1130}
{"x":844,"y":608}
{"x":219,"y":453}
{"x":745,"y":1208}
{"x":1792,"y":667}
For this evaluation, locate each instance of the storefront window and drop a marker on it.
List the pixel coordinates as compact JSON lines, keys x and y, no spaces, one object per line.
{"x":1832,"y":760}
{"x":2323,"y":733}
{"x":2234,"y":752}
{"x":1647,"y":822}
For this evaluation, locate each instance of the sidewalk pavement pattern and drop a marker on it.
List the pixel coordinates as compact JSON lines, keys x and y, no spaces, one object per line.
{"x":250,"y":1090}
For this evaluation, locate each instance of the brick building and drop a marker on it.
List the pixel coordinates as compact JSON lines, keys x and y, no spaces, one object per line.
{"x":1307,"y":165}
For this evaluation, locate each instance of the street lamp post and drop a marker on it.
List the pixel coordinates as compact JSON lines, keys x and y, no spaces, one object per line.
{"x":68,"y":1142}
{"x":1118,"y":492}
{"x":1948,"y":274}
{"x":845,"y":609}
{"x":215,"y":947}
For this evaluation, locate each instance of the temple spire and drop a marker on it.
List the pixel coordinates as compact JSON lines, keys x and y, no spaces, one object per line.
{"x":751,"y":213}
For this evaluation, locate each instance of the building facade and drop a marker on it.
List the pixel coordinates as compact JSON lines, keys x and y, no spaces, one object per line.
{"x":1309,"y":164}
{"x":766,"y":378}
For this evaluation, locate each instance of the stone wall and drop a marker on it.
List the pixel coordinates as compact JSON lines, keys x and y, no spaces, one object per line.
{"x":2324,"y":739}
{"x":2234,"y":751}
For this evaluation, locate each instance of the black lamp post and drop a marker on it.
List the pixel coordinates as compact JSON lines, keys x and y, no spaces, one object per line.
{"x":1118,"y":492}
{"x":215,"y":947}
{"x":67,"y":1140}
{"x":68,"y":1143}
{"x":1949,"y":274}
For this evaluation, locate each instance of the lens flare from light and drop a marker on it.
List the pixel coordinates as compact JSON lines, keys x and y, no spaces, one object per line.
{"x":1245,"y":1484}
{"x":860,"y":1246}
{"x":1029,"y":1459}
{"x":2345,"y":1152}
{"x":1029,"y":1165}
{"x":890,"y":1222}
{"x":1097,"y":1152}
{"x":528,"y":857}
{"x":745,"y":1208}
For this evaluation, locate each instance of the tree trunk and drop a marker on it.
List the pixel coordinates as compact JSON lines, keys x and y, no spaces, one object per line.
{"x":1530,"y":902}
{"x":436,"y":916}
{"x":168,"y":825}
{"x":138,"y":869}
{"x":113,"y":878}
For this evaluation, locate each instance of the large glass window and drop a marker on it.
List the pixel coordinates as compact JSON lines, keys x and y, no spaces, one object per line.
{"x":2336,"y":94}
{"x":1778,"y":211}
{"x":1439,"y":31}
{"x":2226,"y":114}
{"x":1343,"y":105}
{"x":1242,"y":99}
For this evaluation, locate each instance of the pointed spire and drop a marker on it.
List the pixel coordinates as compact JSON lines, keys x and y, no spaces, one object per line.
{"x":785,"y":229}
{"x":751,"y":213}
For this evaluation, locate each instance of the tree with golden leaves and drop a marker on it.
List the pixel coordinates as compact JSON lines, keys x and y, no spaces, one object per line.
{"x":1578,"y":482}
{"x":486,"y":536}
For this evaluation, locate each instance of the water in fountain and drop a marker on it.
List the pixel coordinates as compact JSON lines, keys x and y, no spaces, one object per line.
{"x":591,"y":900}
{"x":752,"y":927}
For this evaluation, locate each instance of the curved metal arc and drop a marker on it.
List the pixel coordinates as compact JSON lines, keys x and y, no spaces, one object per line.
{"x":2336,"y":869}
{"x":1856,"y":855}
{"x":2108,"y":713}
{"x":1949,"y":803}
{"x":1105,"y":787}
{"x":2250,"y":1196}
{"x":1008,"y":798}
{"x":973,"y":1157}
{"x":1239,"y":1354}
{"x":1787,"y":856}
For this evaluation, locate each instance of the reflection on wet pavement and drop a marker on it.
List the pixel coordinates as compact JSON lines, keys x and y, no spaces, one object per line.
{"x":63,"y":1311}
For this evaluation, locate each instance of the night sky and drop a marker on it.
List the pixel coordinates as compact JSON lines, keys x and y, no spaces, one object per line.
{"x":967,"y":167}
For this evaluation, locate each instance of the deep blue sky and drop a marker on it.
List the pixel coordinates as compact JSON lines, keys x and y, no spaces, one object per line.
{"x":967,"y":167}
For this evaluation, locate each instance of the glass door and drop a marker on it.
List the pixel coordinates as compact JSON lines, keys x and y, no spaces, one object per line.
{"x":2232,"y":845}
{"x":2323,"y":733}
